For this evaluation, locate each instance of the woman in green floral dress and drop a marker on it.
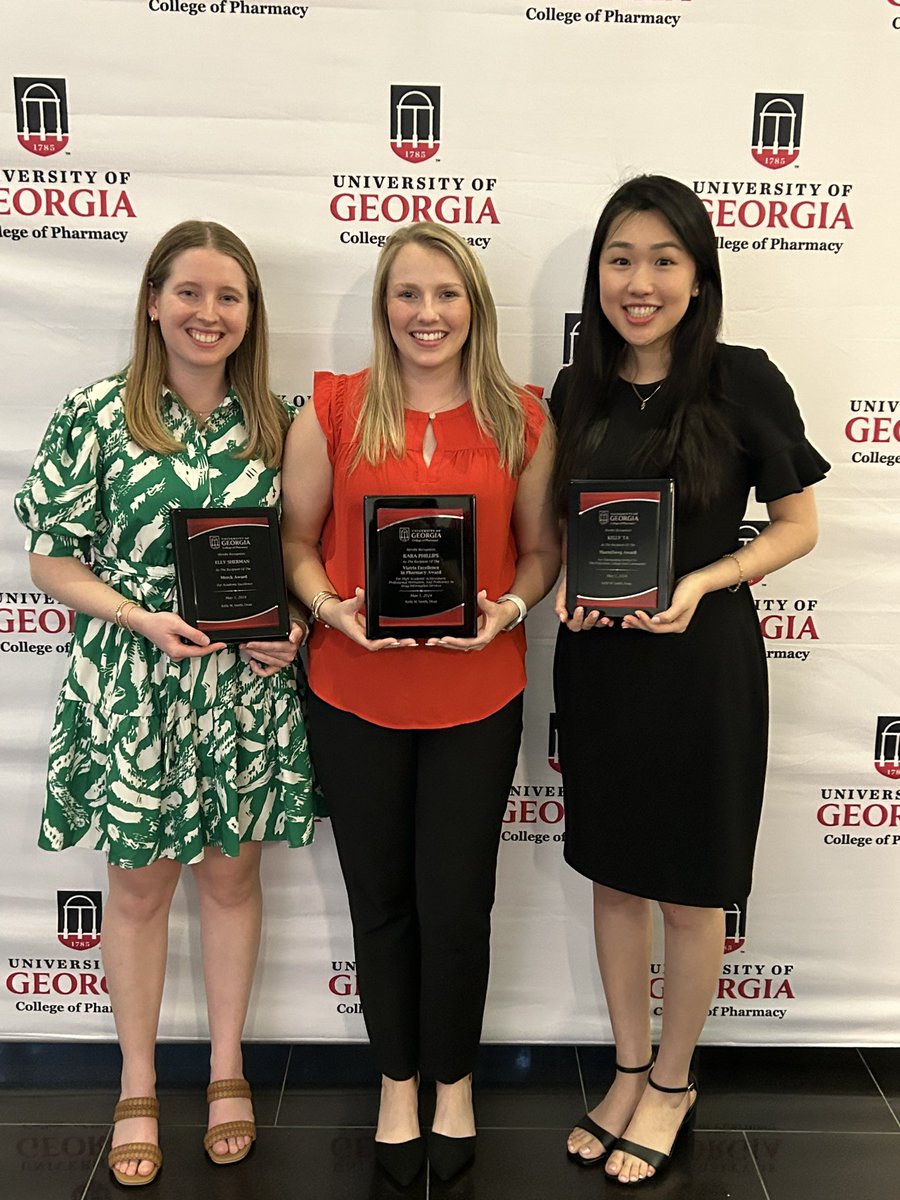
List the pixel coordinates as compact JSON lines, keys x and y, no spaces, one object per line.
{"x":168,"y":748}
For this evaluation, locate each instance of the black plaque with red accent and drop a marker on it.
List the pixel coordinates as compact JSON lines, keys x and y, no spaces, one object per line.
{"x":229,"y":572}
{"x":619,"y":556}
{"x":420,"y":566}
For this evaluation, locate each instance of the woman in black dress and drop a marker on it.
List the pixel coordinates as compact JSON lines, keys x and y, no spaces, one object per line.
{"x":663,"y":719}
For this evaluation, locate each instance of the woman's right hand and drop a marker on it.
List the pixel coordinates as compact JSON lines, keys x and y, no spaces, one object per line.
{"x":345,"y":616}
{"x":166,"y":630}
{"x":578,"y":619}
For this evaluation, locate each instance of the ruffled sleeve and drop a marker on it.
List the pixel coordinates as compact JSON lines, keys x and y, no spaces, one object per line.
{"x":58,"y":502}
{"x":782,"y":460}
{"x":330,"y":400}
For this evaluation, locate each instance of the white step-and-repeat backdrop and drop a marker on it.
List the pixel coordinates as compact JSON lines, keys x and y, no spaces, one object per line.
{"x":314,"y":130}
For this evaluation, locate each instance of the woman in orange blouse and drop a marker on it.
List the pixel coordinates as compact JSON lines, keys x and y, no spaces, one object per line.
{"x":415,"y":742}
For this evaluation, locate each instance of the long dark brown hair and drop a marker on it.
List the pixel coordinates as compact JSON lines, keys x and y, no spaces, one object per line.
{"x":695,"y":441}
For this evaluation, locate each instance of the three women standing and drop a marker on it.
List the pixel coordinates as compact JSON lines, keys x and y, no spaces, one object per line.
{"x":415,"y":744}
{"x":663,"y":719}
{"x":168,"y":749}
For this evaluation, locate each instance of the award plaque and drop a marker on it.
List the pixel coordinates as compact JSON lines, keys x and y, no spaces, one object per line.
{"x":620,"y":545}
{"x":229,"y":573}
{"x":420,"y":566}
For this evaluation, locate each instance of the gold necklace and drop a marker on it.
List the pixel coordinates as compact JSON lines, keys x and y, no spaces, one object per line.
{"x":453,"y":402}
{"x":644,"y":399}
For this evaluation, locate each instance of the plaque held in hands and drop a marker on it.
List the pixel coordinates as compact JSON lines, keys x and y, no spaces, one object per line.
{"x":420,"y":566}
{"x":229,"y":572}
{"x":619,"y":556}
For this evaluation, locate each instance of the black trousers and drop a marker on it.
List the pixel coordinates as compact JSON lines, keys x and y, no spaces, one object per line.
{"x":417,"y":815}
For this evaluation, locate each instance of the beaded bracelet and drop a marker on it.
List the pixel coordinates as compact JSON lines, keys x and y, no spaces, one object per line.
{"x":736,"y":586}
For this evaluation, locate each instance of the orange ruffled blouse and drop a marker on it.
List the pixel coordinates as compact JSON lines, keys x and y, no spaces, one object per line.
{"x":426,"y":687}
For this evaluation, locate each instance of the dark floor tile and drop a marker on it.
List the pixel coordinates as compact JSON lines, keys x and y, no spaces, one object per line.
{"x":331,"y":1064}
{"x":811,"y":1166}
{"x":25,"y":1065}
{"x":527,"y":1065}
{"x":335,"y":1108}
{"x":287,"y":1164}
{"x":57,"y":1107}
{"x":787,"y":1088}
{"x":330,"y":1085}
{"x":47,"y":1162}
{"x":884,"y":1063}
{"x":531,"y":1087}
{"x":538,"y":1107}
{"x":532,"y":1165}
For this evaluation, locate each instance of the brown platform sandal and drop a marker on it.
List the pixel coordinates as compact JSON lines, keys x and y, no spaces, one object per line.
{"x":226,"y":1089}
{"x":135,"y":1106}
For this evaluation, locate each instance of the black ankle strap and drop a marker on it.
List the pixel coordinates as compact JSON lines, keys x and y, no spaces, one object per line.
{"x":691,"y":1087}
{"x":637,"y":1070}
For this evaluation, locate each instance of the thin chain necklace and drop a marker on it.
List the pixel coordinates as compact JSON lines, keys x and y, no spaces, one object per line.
{"x":644,"y":399}
{"x":453,"y":402}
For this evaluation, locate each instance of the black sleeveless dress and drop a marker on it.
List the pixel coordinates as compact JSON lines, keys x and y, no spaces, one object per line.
{"x":663,"y":739}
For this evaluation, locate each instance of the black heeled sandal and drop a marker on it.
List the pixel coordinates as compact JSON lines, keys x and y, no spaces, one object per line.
{"x":655,"y":1158}
{"x":606,"y":1139}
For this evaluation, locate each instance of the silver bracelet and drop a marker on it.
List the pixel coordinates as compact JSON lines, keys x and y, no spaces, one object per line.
{"x":520,"y":605}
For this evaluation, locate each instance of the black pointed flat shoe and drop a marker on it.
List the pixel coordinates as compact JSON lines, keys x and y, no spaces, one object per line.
{"x":402,"y":1161}
{"x":449,"y":1155}
{"x":606,"y":1139}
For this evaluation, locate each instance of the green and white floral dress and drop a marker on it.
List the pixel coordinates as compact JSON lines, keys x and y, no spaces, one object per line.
{"x":152,"y":758}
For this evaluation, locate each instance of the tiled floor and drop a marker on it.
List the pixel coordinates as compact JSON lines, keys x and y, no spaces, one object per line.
{"x":774,"y":1124}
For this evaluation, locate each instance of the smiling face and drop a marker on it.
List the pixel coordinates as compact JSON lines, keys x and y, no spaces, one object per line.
{"x":203,"y":308}
{"x":428,"y":309}
{"x":647,"y":282}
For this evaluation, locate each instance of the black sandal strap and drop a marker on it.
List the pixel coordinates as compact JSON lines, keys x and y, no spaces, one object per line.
{"x":653,"y":1158}
{"x":680,"y":1091}
{"x":606,"y":1139}
{"x":637,"y":1070}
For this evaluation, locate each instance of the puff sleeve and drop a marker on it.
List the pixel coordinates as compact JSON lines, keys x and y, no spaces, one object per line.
{"x":58,"y":502}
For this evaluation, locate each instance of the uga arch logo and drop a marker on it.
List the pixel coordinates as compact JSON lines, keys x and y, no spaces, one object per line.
{"x":42,"y":114}
{"x":415,"y":121}
{"x":887,"y":747}
{"x":79,"y":916}
{"x":777,"y":118}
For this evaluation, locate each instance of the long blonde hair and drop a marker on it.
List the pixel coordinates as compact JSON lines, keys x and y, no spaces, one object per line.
{"x":496,"y":400}
{"x":247,"y":369}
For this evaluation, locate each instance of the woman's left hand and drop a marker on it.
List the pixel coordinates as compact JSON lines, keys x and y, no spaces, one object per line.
{"x":265,"y":658}
{"x":689,"y":591}
{"x":494,"y":618}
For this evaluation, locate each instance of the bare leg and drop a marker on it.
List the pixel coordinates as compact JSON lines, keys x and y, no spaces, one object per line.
{"x":398,"y":1112}
{"x":230,"y":919}
{"x":622,"y":932}
{"x":135,"y":942}
{"x":694,"y":945}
